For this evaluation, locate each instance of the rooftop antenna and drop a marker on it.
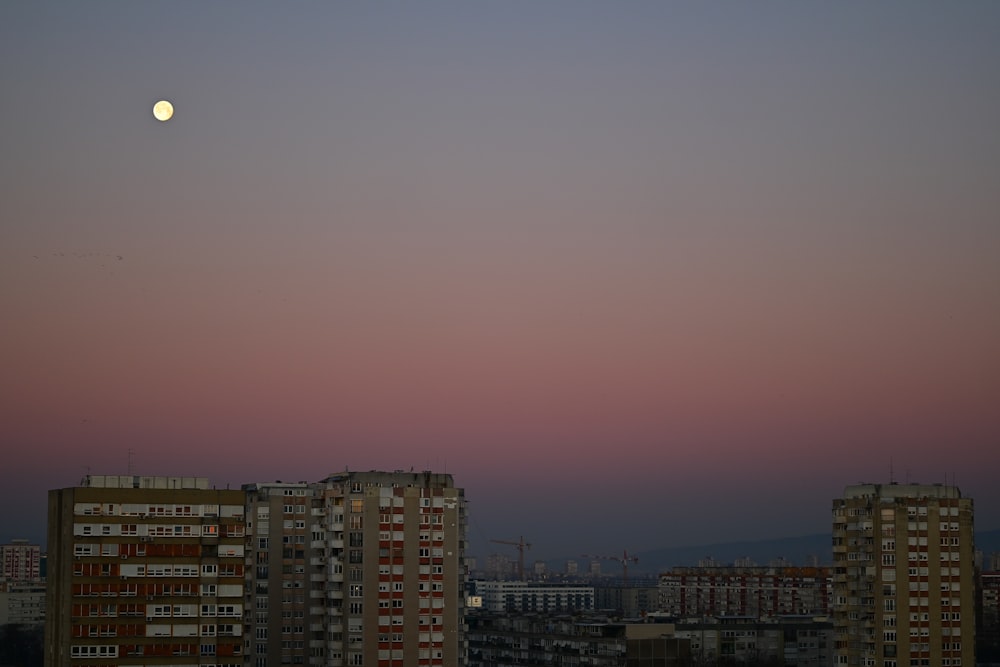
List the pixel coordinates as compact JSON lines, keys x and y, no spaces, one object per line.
{"x":131,"y":461}
{"x":892,"y":477}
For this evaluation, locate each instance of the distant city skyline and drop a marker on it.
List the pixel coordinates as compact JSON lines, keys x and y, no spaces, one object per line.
{"x":637,"y":275}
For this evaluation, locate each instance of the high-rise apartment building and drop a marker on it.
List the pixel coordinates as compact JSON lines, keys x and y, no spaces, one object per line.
{"x":904,"y":576}
{"x":362,"y":569}
{"x":21,"y":562}
{"x":145,"y":571}
{"x":286,"y":574}
{"x":359,"y":569}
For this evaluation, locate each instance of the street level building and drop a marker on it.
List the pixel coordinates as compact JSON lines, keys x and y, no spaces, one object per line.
{"x":904,"y":576}
{"x":22,"y":604}
{"x":145,"y":571}
{"x":799,"y":641}
{"x":988,"y":637}
{"x":565,"y":640}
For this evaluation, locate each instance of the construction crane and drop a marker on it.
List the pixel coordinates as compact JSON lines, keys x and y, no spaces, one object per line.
{"x":521,"y":546}
{"x":624,"y":559}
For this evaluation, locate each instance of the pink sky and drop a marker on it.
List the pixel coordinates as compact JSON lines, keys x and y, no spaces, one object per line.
{"x":679,"y":276}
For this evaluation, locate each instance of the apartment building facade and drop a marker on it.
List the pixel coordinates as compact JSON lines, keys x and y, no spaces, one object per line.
{"x":286,"y":586}
{"x":754,"y":592}
{"x":22,"y":591}
{"x":398,"y":544}
{"x":361,"y":569}
{"x":802,"y":641}
{"x":988,"y":636}
{"x":21,"y":562}
{"x":502,"y":639}
{"x":524,"y":596}
{"x":904,"y":576}
{"x":145,"y":571}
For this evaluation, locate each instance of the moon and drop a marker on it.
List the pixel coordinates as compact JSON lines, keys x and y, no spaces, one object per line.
{"x":163,"y":110}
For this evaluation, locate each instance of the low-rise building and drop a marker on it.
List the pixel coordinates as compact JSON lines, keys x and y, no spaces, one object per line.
{"x":988,"y":635}
{"x":524,"y":596}
{"x":756,"y":592}
{"x":802,"y":641}
{"x":22,"y":603}
{"x":564,"y":640}
{"x":631,"y":600}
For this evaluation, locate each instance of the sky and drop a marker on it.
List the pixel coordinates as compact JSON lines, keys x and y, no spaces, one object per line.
{"x":638,"y":274}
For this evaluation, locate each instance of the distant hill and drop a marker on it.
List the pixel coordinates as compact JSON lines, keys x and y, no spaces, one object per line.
{"x":796,"y":550}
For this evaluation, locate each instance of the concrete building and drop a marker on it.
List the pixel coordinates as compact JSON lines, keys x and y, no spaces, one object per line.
{"x":22,"y":590}
{"x":802,"y":641}
{"x":394,"y":569}
{"x":988,"y":635}
{"x":756,"y":592}
{"x":22,"y":603}
{"x":564,"y":640}
{"x":904,"y":576}
{"x":524,"y":596}
{"x":362,"y":569}
{"x":632,"y":600}
{"x":145,"y":571}
{"x":21,"y":562}
{"x":286,"y":582}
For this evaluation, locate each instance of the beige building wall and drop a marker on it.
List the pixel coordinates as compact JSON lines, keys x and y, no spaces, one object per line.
{"x":402,"y":554}
{"x":145,"y":571}
{"x":904,"y":576}
{"x":362,"y":569}
{"x":21,"y":562}
{"x":286,"y":581}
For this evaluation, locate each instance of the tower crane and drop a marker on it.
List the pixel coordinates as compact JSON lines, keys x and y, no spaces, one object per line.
{"x":521,"y":546}
{"x":624,"y":559}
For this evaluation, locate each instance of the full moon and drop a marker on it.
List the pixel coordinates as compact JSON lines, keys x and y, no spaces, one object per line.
{"x":163,"y":110}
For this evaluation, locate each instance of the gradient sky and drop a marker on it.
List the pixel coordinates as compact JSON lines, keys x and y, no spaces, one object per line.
{"x":638,"y":274}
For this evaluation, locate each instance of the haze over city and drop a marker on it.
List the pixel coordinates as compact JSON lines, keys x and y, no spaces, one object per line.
{"x":637,"y":274}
